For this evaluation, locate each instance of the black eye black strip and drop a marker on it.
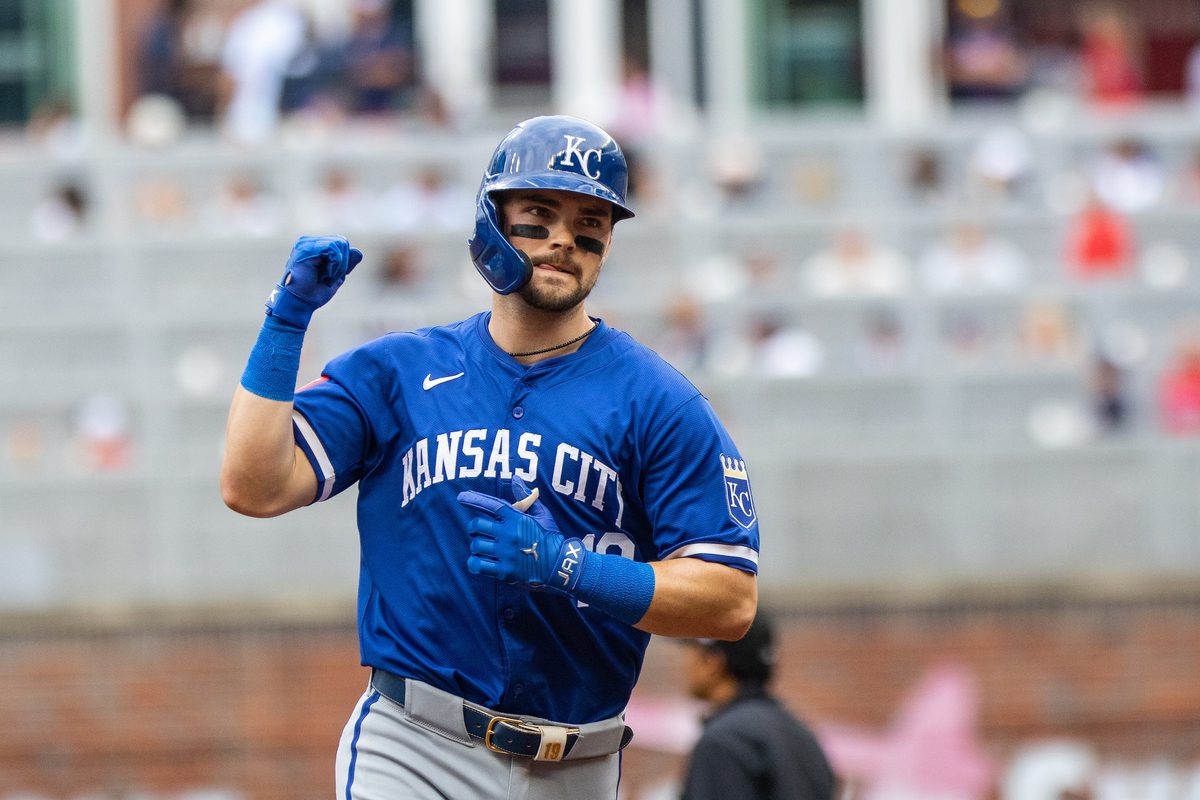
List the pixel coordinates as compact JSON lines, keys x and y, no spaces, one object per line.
{"x":529,"y":231}
{"x":589,"y":244}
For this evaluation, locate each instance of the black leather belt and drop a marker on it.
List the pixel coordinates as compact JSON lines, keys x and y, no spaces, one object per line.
{"x":507,"y":735}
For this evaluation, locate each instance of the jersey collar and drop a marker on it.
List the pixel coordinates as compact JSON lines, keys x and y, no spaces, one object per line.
{"x":591,"y":345}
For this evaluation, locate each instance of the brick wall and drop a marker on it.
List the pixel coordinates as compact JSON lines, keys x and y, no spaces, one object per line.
{"x":160,"y":706}
{"x":163,"y":708}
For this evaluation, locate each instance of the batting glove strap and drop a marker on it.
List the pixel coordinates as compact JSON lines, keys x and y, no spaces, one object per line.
{"x":290,"y":308}
{"x":567,"y":567}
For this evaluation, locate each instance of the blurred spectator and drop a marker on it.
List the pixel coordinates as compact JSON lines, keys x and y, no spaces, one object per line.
{"x":309,"y":79}
{"x":1111,"y":52}
{"x":737,"y":166}
{"x":1099,"y":243}
{"x":784,"y":350}
{"x":853,"y":265}
{"x":102,"y":437}
{"x":1048,"y":332}
{"x":881,"y":347}
{"x":337,"y":203}
{"x":765,"y":346}
{"x":161,"y":200}
{"x":764,"y":275}
{"x":966,"y":335}
{"x":984,"y":59}
{"x":432,"y":107}
{"x":1109,"y":396}
{"x":1055,"y":80}
{"x":261,"y":43}
{"x":403,"y":269}
{"x":641,"y":105}
{"x":53,"y":126}
{"x":62,"y":214}
{"x":926,"y":182}
{"x":1129,"y":177}
{"x":164,"y":66}
{"x":376,"y":63}
{"x":244,"y":208}
{"x":1000,"y":165}
{"x":969,"y":260}
{"x":25,"y":447}
{"x":1179,"y":387}
{"x":813,"y":180}
{"x":684,"y":339}
{"x":430,"y":201}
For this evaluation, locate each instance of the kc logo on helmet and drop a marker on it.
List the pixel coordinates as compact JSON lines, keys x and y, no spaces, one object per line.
{"x":737,"y":491}
{"x":573,"y":154}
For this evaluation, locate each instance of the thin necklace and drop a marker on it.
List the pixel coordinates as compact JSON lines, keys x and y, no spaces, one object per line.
{"x":578,"y":338}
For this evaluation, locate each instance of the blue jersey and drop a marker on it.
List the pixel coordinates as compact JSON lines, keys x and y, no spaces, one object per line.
{"x":627,"y":453}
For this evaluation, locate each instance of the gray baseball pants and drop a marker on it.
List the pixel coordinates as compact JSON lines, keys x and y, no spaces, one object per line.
{"x":421,"y":751}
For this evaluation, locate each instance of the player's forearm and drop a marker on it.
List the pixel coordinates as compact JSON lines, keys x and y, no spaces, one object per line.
{"x":694,"y":598}
{"x":261,"y":475}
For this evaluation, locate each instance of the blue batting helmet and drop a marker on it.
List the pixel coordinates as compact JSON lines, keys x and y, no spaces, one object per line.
{"x":558,"y":152}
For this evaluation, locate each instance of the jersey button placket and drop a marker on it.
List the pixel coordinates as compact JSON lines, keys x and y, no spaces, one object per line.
{"x":514,"y":402}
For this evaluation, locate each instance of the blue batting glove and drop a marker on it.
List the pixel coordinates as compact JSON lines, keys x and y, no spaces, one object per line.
{"x":315,"y":270}
{"x":520,"y":543}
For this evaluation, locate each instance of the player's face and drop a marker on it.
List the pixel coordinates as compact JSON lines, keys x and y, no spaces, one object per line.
{"x":566,"y":235}
{"x":701,"y":670}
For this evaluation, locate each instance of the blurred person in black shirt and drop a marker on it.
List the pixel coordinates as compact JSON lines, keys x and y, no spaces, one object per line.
{"x":166,"y":67}
{"x":752,"y":747}
{"x":377,"y":61}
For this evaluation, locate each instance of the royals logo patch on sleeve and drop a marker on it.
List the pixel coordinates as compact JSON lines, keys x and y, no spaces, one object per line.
{"x":737,"y":491}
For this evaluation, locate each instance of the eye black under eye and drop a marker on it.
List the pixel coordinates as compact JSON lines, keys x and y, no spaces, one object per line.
{"x":590,"y":244}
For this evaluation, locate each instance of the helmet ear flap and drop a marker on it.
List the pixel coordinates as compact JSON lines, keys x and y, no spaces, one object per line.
{"x":504,"y":267}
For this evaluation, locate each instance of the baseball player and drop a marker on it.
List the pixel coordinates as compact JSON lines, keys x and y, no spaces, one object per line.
{"x":538,"y":494}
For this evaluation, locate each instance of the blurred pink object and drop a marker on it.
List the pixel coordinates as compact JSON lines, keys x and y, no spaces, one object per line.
{"x":1179,"y":388}
{"x":665,"y":724}
{"x":930,"y":750}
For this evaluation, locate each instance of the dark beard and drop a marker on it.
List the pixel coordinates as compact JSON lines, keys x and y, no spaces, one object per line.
{"x":555,"y":302}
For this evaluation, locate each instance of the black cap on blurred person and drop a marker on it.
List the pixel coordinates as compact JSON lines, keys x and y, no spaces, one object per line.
{"x":750,"y":659}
